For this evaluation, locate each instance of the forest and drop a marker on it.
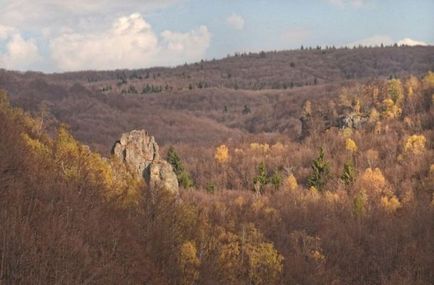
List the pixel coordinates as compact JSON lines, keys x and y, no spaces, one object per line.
{"x":330,"y":182}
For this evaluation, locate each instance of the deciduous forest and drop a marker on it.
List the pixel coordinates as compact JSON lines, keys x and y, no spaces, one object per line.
{"x":286,"y":179}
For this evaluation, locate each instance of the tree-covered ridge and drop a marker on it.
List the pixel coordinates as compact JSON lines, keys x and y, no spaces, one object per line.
{"x":349,"y":202}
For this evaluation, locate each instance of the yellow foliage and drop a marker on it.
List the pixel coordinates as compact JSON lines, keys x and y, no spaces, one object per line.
{"x":312,"y":195}
{"x":374,"y":115}
{"x":391,"y":110}
{"x":408,"y":122}
{"x":390,"y":204}
{"x":388,"y":103}
{"x":350,"y":145}
{"x":373,"y":179}
{"x":239,"y":201}
{"x":331,"y":197}
{"x":189,"y":263}
{"x":76,"y":159}
{"x":307,"y":108}
{"x":357,"y":106}
{"x":67,"y":154}
{"x":372,"y":156}
{"x":347,"y":132}
{"x":277,"y":147}
{"x":412,"y":85}
{"x":345,"y":98}
{"x":35,"y":145}
{"x":317,"y":256}
{"x":291,"y":182}
{"x":375,"y":92}
{"x":228,"y":257}
{"x":378,"y":128}
{"x":222,"y":154}
{"x":257,"y":147}
{"x":265,"y":264}
{"x":408,"y":197}
{"x":259,"y":204}
{"x":395,"y":91}
{"x":428,"y":80}
{"x":415,"y":144}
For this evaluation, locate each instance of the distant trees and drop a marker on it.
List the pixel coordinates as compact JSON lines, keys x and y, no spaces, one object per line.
{"x":58,"y":188}
{"x":415,"y":144}
{"x":189,"y":263}
{"x":246,"y":110}
{"x":152,"y":89}
{"x":320,"y":172}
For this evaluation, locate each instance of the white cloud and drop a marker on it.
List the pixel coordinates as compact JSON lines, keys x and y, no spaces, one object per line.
{"x":411,"y":42}
{"x":19,"y":53}
{"x":5,"y":32}
{"x":176,"y":48}
{"x":235,"y":22}
{"x":129,"y":43}
{"x":377,"y":40}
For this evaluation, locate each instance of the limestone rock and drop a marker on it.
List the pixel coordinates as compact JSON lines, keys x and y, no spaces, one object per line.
{"x":162,"y":176}
{"x":139,"y":151}
{"x":352,"y":120}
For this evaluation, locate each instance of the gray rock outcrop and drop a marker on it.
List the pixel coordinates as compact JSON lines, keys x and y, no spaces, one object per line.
{"x":352,"y":120}
{"x":139,"y":152}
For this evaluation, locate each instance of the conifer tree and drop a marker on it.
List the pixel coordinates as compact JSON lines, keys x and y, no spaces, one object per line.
{"x":262,"y":178}
{"x":184,"y":178}
{"x":348,"y":174}
{"x":276,"y":180}
{"x":320,"y":172}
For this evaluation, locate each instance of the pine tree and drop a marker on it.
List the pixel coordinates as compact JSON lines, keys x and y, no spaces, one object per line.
{"x":276,"y":179}
{"x":349,"y":173}
{"x":184,"y":178}
{"x":321,"y":170}
{"x":262,"y":178}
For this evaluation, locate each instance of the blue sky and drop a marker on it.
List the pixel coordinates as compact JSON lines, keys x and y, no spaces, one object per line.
{"x":63,"y":35}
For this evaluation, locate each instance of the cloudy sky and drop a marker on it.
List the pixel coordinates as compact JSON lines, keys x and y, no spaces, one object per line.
{"x":68,"y":35}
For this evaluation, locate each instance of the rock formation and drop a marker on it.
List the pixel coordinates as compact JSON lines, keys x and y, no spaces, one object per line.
{"x":352,"y":120}
{"x":139,"y":151}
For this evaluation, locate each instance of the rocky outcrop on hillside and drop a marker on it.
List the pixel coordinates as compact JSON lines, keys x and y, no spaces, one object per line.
{"x":352,"y":121}
{"x":139,"y":151}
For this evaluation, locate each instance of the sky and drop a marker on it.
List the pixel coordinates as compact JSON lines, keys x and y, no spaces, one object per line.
{"x":71,"y":35}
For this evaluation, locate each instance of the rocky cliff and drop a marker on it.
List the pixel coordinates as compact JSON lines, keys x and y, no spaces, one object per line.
{"x":139,"y":151}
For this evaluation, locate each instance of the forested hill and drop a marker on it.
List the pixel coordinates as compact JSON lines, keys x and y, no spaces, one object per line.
{"x":326,"y":183}
{"x":210,"y":101}
{"x":265,"y":70}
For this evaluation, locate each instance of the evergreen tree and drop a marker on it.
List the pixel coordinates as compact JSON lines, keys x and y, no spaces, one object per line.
{"x":276,"y":179}
{"x":349,"y":173}
{"x":262,"y":178}
{"x":246,"y":109}
{"x":321,"y":170}
{"x":184,"y":178}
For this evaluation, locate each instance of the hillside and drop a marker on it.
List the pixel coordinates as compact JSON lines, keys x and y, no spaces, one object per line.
{"x":203,"y":103}
{"x":326,"y":183}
